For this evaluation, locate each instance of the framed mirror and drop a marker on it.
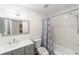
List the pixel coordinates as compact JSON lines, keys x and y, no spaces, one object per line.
{"x":13,"y":27}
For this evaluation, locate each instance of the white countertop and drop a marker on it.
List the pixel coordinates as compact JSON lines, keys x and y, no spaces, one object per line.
{"x":7,"y":47}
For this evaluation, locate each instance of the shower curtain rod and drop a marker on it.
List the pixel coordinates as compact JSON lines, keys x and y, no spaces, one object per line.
{"x":65,"y":12}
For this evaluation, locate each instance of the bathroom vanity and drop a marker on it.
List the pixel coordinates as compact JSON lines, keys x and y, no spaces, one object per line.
{"x":10,"y":27}
{"x":24,"y":47}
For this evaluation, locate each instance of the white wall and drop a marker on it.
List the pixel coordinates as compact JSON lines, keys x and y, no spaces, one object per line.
{"x":65,"y":31}
{"x":35,"y":18}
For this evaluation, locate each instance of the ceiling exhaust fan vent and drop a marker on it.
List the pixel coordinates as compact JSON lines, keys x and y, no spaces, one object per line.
{"x":46,"y":5}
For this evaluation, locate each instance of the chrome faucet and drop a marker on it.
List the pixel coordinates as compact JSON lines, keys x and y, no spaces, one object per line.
{"x":14,"y":40}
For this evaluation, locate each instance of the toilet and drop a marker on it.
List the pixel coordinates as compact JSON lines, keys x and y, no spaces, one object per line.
{"x":40,"y":50}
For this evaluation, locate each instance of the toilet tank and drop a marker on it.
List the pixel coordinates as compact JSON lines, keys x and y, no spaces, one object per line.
{"x":37,"y":42}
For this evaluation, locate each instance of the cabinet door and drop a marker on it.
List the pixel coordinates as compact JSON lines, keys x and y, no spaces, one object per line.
{"x":7,"y":53}
{"x":29,"y":50}
{"x":19,"y":51}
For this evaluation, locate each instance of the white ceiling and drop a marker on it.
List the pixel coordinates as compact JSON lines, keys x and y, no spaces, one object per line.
{"x":51,"y":9}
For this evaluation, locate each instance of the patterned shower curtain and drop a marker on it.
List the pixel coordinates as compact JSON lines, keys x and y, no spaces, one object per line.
{"x":47,"y":40}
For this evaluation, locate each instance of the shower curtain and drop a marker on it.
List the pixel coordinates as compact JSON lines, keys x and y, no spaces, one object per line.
{"x":47,"y":40}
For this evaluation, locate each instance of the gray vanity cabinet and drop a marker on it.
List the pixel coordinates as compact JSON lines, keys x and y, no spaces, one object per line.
{"x":19,"y":51}
{"x":29,"y":50}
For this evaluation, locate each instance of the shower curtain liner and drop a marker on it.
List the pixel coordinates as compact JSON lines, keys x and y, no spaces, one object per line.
{"x":47,"y":40}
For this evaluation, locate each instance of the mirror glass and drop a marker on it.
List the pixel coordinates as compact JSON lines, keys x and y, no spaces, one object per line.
{"x":13,"y":27}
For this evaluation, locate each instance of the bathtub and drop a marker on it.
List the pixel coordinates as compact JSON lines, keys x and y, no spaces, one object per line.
{"x":60,"y":50}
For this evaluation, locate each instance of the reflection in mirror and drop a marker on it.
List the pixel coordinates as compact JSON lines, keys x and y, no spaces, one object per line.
{"x":25,"y":26}
{"x":16,"y":27}
{"x":12,"y":27}
{"x":2,"y":25}
{"x":7,"y":27}
{"x":19,"y":27}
